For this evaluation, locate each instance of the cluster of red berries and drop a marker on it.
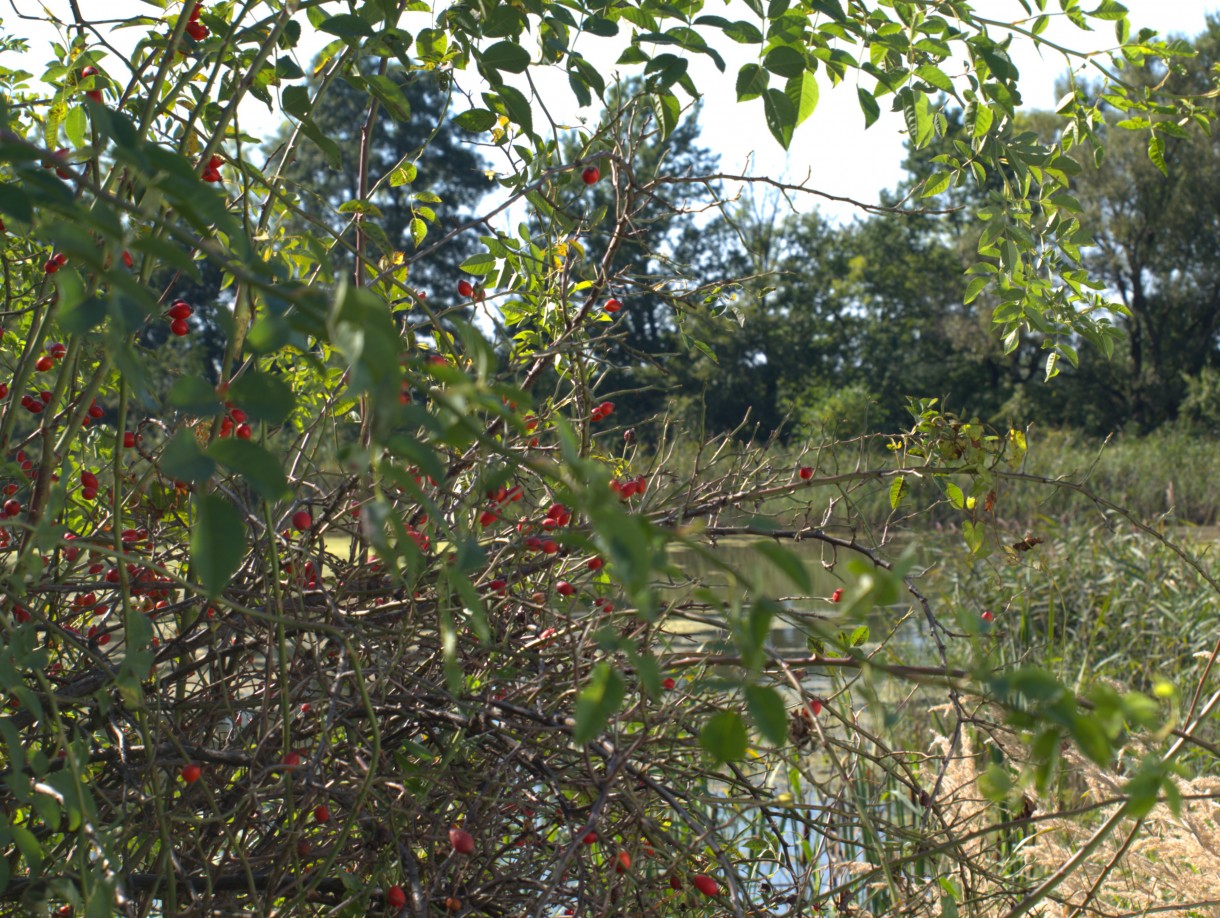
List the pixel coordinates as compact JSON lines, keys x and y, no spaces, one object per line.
{"x":498,"y":498}
{"x":36,"y":405}
{"x":58,"y":162}
{"x":194,"y":28}
{"x":88,"y":485}
{"x":211,"y":172}
{"x":629,"y":488}
{"x":178,"y":312}
{"x":233,"y":424}
{"x":55,"y":262}
{"x":602,"y":411}
{"x":54,"y":352}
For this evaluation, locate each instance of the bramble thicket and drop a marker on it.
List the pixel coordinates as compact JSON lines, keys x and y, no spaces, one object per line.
{"x":376,"y":541}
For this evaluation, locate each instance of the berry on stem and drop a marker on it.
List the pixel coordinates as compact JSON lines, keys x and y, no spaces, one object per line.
{"x":591,"y":175}
{"x":461,"y":841}
{"x":191,"y":772}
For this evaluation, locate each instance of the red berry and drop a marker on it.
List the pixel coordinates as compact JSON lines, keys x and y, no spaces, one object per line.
{"x":622,"y":863}
{"x":190,"y":773}
{"x":50,"y":266}
{"x":805,"y":472}
{"x":3,"y":390}
{"x":563,"y":588}
{"x":292,"y":760}
{"x":88,"y":479}
{"x":127,"y":259}
{"x":549,"y":547}
{"x":321,"y":813}
{"x":129,"y":440}
{"x":94,"y":94}
{"x":88,"y":71}
{"x":605,"y":409}
{"x":12,"y":507}
{"x":395,"y":897}
{"x":706,"y":885}
{"x":180,"y":327}
{"x":88,"y":493}
{"x":595,"y":564}
{"x":461,"y":841}
{"x":590,"y":838}
{"x":57,"y":349}
{"x":196,"y":9}
{"x":987,"y":616}
{"x":837,"y":595}
{"x":179,"y":310}
{"x":60,"y":258}
{"x":302,"y":521}
{"x":95,"y":411}
{"x":668,"y":682}
{"x":815,"y":706}
{"x":243,"y":432}
{"x":612,"y":306}
{"x":591,"y":175}
{"x":487,"y":518}
{"x":197,"y":30}
{"x":237,"y":415}
{"x":675,"y":883}
{"x":465,"y":289}
{"x":44,"y":363}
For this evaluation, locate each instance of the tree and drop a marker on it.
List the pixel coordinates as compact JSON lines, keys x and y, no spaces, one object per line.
{"x":1153,"y":220}
{"x":391,"y":617}
{"x":446,"y":171}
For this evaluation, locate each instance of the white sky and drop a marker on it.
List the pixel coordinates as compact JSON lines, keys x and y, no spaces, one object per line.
{"x":832,"y":147}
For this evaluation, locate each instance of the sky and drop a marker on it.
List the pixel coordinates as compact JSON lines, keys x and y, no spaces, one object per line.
{"x":831,"y":151}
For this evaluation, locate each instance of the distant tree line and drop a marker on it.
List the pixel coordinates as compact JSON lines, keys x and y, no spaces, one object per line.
{"x":837,"y":326}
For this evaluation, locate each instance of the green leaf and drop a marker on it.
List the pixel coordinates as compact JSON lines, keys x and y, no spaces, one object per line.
{"x":954,"y":493}
{"x":263,"y":397}
{"x":419,"y":229}
{"x":781,"y":116}
{"x":218,"y":542}
{"x":480,"y":264}
{"x":183,"y":460}
{"x":868,"y":105}
{"x":935,"y":77}
{"x":390,"y":95}
{"x":751,"y":82}
{"x":1156,"y":153}
{"x":506,"y":55}
{"x":724,"y":736}
{"x":296,"y":102}
{"x":802,"y":91}
{"x":785,"y":61}
{"x":791,"y":565}
{"x":477,"y":120}
{"x":973,"y":534}
{"x":194,"y":394}
{"x":253,"y":463}
{"x":936,"y":184}
{"x":346,"y":25}
{"x":898,"y":490}
{"x":768,"y":713}
{"x":974,"y":288}
{"x":598,"y":701}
